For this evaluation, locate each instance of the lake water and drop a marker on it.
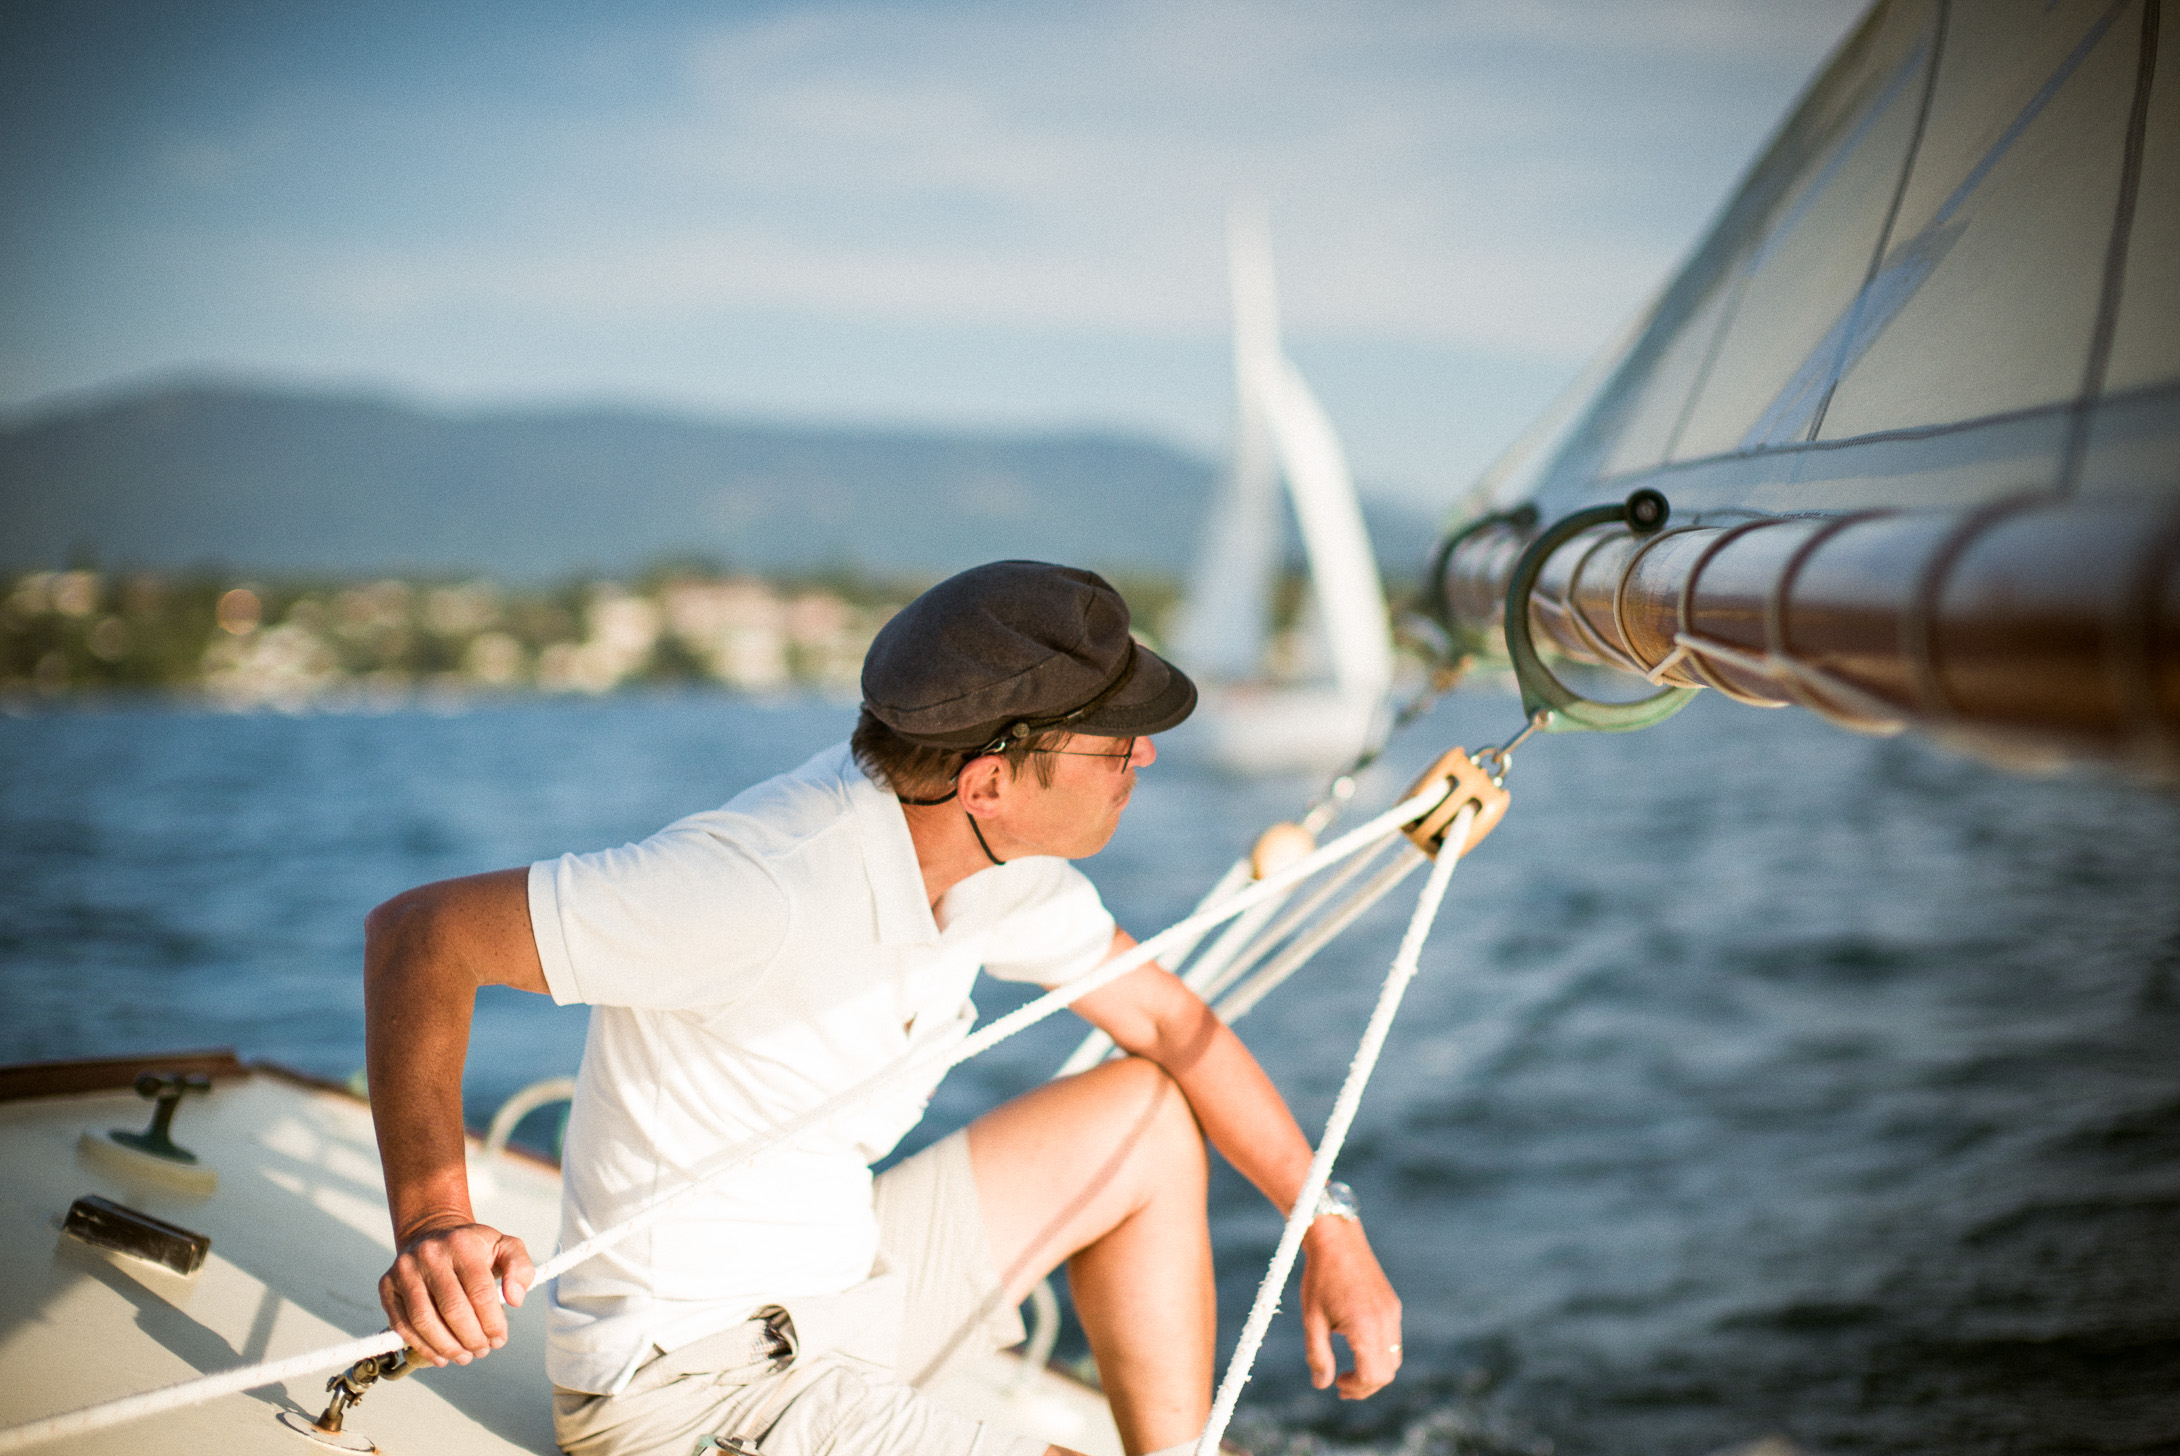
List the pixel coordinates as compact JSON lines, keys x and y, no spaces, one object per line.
{"x":1760,"y":1079}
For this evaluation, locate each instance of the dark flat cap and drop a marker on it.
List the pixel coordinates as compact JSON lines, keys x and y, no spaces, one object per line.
{"x":1015,"y":647}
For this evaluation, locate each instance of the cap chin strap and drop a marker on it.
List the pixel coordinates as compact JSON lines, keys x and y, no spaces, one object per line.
{"x":973,"y":829}
{"x":979,"y":833}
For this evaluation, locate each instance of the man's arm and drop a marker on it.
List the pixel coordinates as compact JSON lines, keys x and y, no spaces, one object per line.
{"x":1150,"y":1013}
{"x":426,"y":952}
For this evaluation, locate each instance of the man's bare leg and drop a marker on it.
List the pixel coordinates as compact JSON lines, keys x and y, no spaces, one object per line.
{"x":1107,"y":1171}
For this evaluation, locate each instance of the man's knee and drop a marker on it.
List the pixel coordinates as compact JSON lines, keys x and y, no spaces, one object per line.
{"x":1164,"y":1125}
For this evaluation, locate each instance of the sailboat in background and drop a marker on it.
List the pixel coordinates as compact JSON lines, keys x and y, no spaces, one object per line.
{"x":1316,"y":708}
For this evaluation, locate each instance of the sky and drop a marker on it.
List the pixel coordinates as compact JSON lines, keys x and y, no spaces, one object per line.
{"x":937,"y":214}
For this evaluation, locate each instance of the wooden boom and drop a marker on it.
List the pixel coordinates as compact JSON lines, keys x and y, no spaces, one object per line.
{"x":2031,"y":632}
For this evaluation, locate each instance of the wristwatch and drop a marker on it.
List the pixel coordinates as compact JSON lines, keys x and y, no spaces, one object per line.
{"x":1339,"y":1201}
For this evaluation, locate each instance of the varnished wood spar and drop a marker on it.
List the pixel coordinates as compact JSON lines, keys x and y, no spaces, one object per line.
{"x":2033,"y":632}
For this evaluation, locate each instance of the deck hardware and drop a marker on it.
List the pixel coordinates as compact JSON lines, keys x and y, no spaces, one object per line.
{"x":1498,"y":762}
{"x":1466,"y":783}
{"x":347,"y":1388}
{"x":104,"y":1224}
{"x":168,"y":1090}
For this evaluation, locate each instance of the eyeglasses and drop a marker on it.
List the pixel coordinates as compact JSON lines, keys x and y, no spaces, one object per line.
{"x":1127,"y":751}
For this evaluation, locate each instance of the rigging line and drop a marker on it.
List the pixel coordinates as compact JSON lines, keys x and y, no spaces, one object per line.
{"x":1096,"y":1046}
{"x":1304,"y":1211}
{"x":1237,"y":875}
{"x":1254,"y":953}
{"x":1212,"y":965}
{"x":208,"y":1387}
{"x":1244,"y":998}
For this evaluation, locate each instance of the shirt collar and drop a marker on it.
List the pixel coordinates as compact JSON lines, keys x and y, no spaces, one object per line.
{"x":889,"y":857}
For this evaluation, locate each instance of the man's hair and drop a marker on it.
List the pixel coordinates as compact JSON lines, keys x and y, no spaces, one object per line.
{"x":917,"y":771}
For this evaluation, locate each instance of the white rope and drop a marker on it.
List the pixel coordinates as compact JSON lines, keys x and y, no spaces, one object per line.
{"x":227,"y":1382}
{"x":1252,"y":955}
{"x":196,"y":1392}
{"x":1214,"y":972}
{"x":1237,"y":874}
{"x":1243,"y":999}
{"x":1095,"y":1044}
{"x":1304,"y":1211}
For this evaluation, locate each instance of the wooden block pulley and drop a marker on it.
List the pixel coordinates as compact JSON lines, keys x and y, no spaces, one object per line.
{"x":1466,"y":783}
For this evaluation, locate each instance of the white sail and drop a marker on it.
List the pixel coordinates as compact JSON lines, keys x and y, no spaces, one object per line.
{"x":1343,"y":573}
{"x":1282,"y":432}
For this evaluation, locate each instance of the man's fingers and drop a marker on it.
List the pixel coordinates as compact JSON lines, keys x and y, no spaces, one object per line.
{"x":450,"y":1294}
{"x":511,"y":1262}
{"x":1375,"y":1344}
{"x":1317,"y":1346}
{"x":1374,"y":1369}
{"x":445,"y":1293}
{"x":1345,"y":1288}
{"x":482,"y":1286}
{"x":397,"y":1315}
{"x":416,"y":1317}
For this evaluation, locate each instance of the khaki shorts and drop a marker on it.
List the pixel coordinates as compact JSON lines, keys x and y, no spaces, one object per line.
{"x":837,"y":1376}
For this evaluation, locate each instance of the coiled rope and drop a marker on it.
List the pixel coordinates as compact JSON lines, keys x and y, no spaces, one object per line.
{"x":1304,"y":1212}
{"x":271,"y":1372}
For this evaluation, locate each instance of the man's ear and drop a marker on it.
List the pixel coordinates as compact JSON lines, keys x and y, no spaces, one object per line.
{"x":983,"y":783}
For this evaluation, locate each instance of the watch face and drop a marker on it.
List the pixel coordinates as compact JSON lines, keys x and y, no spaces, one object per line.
{"x":1339,"y":1201}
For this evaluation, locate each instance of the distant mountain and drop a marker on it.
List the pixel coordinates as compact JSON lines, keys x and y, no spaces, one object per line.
{"x":208,"y":474}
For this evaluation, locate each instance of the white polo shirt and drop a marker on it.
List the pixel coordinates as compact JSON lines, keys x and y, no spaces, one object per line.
{"x":744,"y":965}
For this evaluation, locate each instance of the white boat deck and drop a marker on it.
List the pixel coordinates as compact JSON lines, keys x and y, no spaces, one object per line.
{"x":299,"y":1238}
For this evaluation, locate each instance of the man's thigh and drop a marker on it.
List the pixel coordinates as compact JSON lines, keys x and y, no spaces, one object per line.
{"x":1060,"y":1167}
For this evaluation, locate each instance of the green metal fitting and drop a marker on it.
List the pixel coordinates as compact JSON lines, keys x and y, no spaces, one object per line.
{"x":1643,"y":513}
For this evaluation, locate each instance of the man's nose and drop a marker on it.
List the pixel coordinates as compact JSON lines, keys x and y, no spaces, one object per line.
{"x":1145,"y":754}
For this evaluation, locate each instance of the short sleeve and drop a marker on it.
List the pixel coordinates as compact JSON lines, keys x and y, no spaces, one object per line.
{"x":1047,"y":925}
{"x":686,"y":919}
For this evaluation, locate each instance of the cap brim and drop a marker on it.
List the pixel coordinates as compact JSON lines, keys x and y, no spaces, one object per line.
{"x":1157,"y":696}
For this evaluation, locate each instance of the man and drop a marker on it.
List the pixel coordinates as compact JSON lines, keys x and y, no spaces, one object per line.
{"x":746,"y":965}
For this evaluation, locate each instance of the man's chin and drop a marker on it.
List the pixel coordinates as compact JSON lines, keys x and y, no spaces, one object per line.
{"x":1097,"y":843}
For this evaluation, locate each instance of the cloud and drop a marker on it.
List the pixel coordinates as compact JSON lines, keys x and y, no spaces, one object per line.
{"x":946,"y":211}
{"x":1513,"y":177}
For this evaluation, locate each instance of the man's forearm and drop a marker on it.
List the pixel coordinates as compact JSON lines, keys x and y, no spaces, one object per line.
{"x":417,"y":1004}
{"x":1235,"y":1103}
{"x":425,"y":954}
{"x":1239,"y":1109}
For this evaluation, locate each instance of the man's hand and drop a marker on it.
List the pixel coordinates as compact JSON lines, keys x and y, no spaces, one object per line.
{"x":443,"y":1295}
{"x":1343,"y":1289}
